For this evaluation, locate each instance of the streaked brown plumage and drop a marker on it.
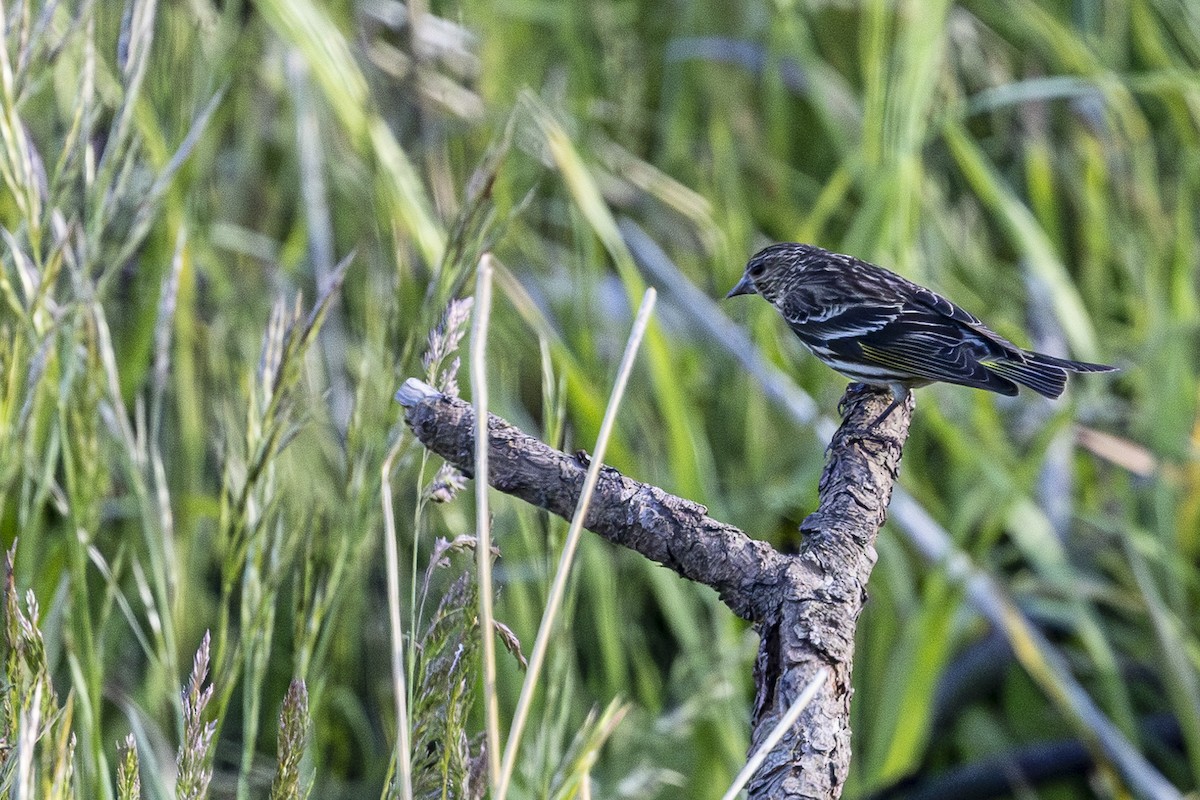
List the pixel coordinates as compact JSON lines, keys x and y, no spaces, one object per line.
{"x":878,"y":328}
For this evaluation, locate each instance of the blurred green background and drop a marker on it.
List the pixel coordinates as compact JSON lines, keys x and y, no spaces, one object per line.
{"x":180,"y":451}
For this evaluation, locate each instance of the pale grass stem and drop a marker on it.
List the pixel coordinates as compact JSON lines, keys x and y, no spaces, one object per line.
{"x":30,"y":721}
{"x":158,"y":390}
{"x":440,"y":371}
{"x":483,"y":533}
{"x":399,"y":689}
{"x":783,"y":726}
{"x":559,"y":585}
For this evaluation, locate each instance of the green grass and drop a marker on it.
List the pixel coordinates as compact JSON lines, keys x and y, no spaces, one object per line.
{"x":229,"y":230}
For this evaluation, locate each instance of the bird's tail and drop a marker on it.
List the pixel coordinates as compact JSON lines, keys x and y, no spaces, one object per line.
{"x":1067,"y":364}
{"x":1045,"y":374}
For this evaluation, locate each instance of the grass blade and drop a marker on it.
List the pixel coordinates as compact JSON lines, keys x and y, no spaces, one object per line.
{"x":483,"y":549}
{"x":781,"y":727}
{"x":558,"y":587}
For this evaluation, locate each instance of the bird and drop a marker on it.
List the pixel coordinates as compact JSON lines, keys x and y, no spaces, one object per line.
{"x":881,"y":329}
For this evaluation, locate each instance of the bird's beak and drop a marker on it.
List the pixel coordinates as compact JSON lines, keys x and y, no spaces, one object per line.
{"x":744,"y":286}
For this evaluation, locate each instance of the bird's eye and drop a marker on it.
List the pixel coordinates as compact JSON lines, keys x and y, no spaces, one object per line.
{"x":756,"y":270}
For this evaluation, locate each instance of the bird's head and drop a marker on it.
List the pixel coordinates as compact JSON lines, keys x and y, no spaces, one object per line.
{"x":774,"y":269}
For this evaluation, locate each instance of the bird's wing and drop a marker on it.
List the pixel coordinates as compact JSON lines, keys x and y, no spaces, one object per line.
{"x":902,"y":328}
{"x":916,"y":343}
{"x":878,"y":297}
{"x":929,"y":300}
{"x":838,"y":321}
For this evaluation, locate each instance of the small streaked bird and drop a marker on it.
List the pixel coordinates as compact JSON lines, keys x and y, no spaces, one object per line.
{"x":878,"y":328}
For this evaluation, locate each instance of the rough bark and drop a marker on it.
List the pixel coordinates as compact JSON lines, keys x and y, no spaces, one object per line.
{"x":804,"y":606}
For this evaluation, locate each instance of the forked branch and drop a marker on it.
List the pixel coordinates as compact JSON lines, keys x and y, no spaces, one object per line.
{"x":804,"y":606}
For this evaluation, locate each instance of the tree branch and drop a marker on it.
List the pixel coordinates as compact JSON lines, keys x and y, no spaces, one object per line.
{"x":804,"y":606}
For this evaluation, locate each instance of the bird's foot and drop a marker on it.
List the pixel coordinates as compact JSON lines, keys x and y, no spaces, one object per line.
{"x":853,"y":392}
{"x":899,"y":395}
{"x":890,"y":408}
